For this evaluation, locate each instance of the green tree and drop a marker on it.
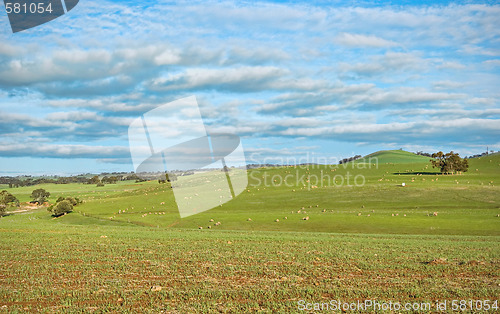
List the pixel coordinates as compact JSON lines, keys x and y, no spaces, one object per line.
{"x":449,"y":163}
{"x":94,"y":180}
{"x":61,"y":208}
{"x":40,"y":196}
{"x":110,"y":180}
{"x":7,"y":199}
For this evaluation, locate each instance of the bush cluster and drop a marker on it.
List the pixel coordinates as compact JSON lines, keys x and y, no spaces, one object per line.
{"x":63,"y":205}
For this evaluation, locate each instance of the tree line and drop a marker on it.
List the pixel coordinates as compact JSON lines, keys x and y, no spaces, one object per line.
{"x":15,"y":182}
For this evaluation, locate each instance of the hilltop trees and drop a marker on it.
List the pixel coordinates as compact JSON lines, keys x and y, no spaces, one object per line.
{"x":40,"y":196}
{"x":94,"y":180}
{"x":346,"y":160}
{"x":110,"y":180}
{"x":449,"y":163}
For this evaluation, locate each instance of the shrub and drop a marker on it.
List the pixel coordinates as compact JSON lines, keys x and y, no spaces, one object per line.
{"x":71,"y":200}
{"x":61,"y":208}
{"x":40,"y":196}
{"x":7,"y":199}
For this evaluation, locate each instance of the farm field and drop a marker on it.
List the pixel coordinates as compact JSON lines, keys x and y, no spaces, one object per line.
{"x":126,"y":249}
{"x":465,"y":204}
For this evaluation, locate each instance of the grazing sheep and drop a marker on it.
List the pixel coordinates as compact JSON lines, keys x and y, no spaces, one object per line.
{"x":277,"y":220}
{"x":286,"y":217}
{"x":324,"y":210}
{"x":359,"y":214}
{"x":211,"y":220}
{"x":435,"y":214}
{"x":200,"y":227}
{"x":249,"y":219}
{"x":305,"y":218}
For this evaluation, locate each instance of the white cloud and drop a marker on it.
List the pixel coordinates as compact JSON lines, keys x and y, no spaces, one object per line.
{"x":61,"y":151}
{"x":265,"y":69}
{"x":451,"y":65}
{"x":493,"y":63}
{"x":408,"y":95}
{"x":387,"y":64}
{"x":447,"y":84}
{"x":236,"y":79}
{"x":358,"y":40}
{"x":477,"y":50}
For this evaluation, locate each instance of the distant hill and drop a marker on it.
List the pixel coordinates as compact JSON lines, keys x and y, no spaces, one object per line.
{"x":395,"y":157}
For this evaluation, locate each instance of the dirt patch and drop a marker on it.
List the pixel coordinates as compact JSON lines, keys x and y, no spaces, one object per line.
{"x":473,"y":263}
{"x":438,"y":261}
{"x":27,"y":207}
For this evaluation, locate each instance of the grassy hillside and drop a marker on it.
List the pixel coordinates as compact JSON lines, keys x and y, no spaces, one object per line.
{"x":126,"y":249}
{"x":352,"y":198}
{"x":394,"y":156}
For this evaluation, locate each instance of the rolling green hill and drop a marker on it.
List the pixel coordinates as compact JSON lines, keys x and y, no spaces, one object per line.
{"x":393,"y":156}
{"x":348,"y":198}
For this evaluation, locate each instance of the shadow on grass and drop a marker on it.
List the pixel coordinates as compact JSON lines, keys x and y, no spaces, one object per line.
{"x":418,"y":173}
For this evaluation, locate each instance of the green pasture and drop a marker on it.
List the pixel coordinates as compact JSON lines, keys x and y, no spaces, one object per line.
{"x":125,"y":249}
{"x":82,"y":264}
{"x":351,"y":198}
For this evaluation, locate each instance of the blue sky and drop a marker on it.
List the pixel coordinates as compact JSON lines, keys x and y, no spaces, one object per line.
{"x":295,"y":79}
